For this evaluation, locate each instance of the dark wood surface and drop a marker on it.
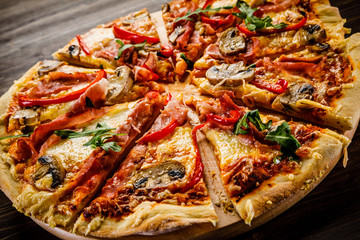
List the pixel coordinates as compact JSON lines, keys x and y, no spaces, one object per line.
{"x":32,"y":30}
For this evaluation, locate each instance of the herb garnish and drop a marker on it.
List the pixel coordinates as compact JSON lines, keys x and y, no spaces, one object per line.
{"x":100,"y":135}
{"x":254,"y":117}
{"x":188,"y":16}
{"x":123,"y":47}
{"x":189,"y":63}
{"x":281,"y":135}
{"x":16,"y":136}
{"x":252,"y":22}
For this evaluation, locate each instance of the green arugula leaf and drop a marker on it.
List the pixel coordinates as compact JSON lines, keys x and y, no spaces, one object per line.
{"x":189,"y":63}
{"x":242,"y":123}
{"x":100,"y":135}
{"x":252,"y":22}
{"x":189,"y":15}
{"x":282,"y":136}
{"x":16,"y":136}
{"x":253,"y":117}
{"x":123,"y":47}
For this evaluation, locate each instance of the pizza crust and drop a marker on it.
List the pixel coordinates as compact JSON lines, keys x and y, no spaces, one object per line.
{"x":149,"y":218}
{"x":325,"y":153}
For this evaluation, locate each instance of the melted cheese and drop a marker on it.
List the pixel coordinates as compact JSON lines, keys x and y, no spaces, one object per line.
{"x":228,"y":146}
{"x":176,"y":147}
{"x":71,"y":153}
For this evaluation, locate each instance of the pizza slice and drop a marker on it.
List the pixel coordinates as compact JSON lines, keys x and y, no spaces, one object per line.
{"x":52,"y":88}
{"x":192,"y":25}
{"x":131,"y":40}
{"x":271,"y":29}
{"x":263,"y":159}
{"x":158,"y":188}
{"x":63,"y":163}
{"x":317,"y":84}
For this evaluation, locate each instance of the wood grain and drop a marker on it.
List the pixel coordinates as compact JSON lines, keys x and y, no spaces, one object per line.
{"x":32,"y":30}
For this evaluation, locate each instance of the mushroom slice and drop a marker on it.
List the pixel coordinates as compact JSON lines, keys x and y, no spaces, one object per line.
{"x":312,"y":33}
{"x":296,"y":92}
{"x":24,"y":119}
{"x":231,"y":74}
{"x":48,"y":66}
{"x":161,"y":175}
{"x":119,"y":85}
{"x":176,"y":33}
{"x":49,"y":166}
{"x":74,"y":51}
{"x":165,"y":8}
{"x":231,"y":42}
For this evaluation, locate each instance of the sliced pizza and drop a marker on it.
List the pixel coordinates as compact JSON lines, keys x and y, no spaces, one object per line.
{"x":264,"y":160}
{"x":64,"y":162}
{"x":312,"y":83}
{"x":192,"y":25}
{"x":158,"y":188}
{"x":52,"y":88}
{"x":131,"y":40}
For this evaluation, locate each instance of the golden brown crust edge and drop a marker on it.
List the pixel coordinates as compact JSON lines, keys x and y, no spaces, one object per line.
{"x":351,"y":95}
{"x":150,"y":218}
{"x":279,"y":191}
{"x":8,"y":184}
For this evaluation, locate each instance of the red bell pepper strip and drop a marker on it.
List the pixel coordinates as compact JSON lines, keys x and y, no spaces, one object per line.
{"x":217,"y":22}
{"x":279,"y":87}
{"x":168,"y":99}
{"x":29,"y":102}
{"x":133,"y":37}
{"x":83,"y":45}
{"x":153,"y":76}
{"x":234,"y":117}
{"x":199,"y":166}
{"x":158,"y":135}
{"x":166,"y":50}
{"x":261,"y":32}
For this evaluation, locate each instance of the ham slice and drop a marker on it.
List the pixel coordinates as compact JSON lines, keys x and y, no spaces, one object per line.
{"x":96,"y":94}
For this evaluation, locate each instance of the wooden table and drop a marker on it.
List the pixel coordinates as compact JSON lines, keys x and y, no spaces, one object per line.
{"x":31,"y":30}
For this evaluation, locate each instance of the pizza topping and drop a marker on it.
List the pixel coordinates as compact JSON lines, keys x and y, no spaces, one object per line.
{"x":176,"y":33}
{"x":83,"y":45}
{"x":189,"y":63}
{"x":133,"y":37}
{"x":277,"y":6}
{"x":15,"y":136}
{"x":253,"y":22}
{"x":282,"y":136}
{"x":160,"y":175}
{"x":253,"y":116}
{"x":296,"y":92}
{"x":100,"y":136}
{"x":191,"y":16}
{"x":160,"y":134}
{"x":28,"y":102}
{"x":279,"y":87}
{"x":49,"y":164}
{"x":49,"y":65}
{"x":25,"y":119}
{"x":123,"y":47}
{"x":234,"y":117}
{"x":199,"y":166}
{"x":313,"y":33}
{"x":230,"y":74}
{"x":217,"y":21}
{"x":231,"y":42}
{"x":119,"y":85}
{"x":165,"y":8}
{"x":74,"y":51}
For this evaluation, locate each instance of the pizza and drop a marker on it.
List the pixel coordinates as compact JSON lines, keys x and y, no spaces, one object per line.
{"x":203,"y":115}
